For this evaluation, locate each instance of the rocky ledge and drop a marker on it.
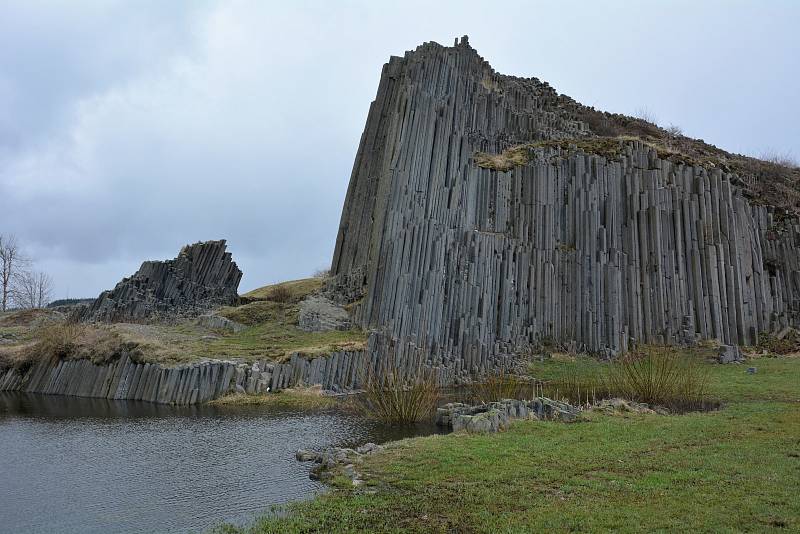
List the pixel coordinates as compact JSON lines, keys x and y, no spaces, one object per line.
{"x":496,"y":416}
{"x":335,"y":460}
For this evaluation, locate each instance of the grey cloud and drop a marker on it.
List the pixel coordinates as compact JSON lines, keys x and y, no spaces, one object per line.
{"x":129,"y":129}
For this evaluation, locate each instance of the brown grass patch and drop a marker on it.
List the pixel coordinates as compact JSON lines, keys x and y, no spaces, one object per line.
{"x":391,"y":399}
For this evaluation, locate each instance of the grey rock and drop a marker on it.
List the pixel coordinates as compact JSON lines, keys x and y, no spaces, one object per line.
{"x":217,"y":322}
{"x":730,"y":354}
{"x":200,"y":278}
{"x":320,"y":314}
{"x":496,"y":416}
{"x":369,"y":448}
{"x":464,"y":263}
{"x":303,"y":455}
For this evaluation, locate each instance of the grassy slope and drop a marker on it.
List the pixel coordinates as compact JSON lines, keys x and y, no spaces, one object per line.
{"x":730,"y":470}
{"x":271,"y":333}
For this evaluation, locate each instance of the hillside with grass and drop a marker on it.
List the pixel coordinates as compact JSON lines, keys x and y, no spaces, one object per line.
{"x":267,"y":320}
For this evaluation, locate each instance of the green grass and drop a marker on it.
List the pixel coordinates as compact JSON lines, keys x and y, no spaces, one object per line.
{"x":297,"y":289}
{"x":735,"y":469}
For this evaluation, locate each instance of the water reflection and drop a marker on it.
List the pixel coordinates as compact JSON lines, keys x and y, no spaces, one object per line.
{"x":95,"y":465}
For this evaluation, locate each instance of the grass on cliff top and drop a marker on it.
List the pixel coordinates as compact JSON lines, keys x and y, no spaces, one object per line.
{"x":773,"y":181}
{"x":735,"y":469}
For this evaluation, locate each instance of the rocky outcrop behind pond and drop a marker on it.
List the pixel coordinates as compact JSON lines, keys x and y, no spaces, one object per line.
{"x":128,"y":379}
{"x":200,"y":278}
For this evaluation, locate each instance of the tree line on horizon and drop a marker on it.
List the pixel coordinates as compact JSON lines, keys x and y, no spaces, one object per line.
{"x":21,"y":285}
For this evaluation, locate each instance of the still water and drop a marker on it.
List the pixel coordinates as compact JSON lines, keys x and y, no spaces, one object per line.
{"x":72,"y":465}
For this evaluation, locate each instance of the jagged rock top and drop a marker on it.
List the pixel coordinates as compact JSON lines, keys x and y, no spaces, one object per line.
{"x":518,"y":111}
{"x":201,"y":277}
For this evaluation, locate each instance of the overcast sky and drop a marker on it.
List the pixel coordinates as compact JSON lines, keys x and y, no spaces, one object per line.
{"x":128,"y":129}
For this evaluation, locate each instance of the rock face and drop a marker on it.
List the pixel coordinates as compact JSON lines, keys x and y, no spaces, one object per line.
{"x":496,"y":416}
{"x":319,"y":314}
{"x":200,"y":278}
{"x":128,"y":379}
{"x":461,"y":264}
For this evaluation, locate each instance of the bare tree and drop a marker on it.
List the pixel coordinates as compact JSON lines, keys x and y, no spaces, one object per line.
{"x":646,"y":115}
{"x":784,"y":159}
{"x":32,"y":289}
{"x":12,"y":262}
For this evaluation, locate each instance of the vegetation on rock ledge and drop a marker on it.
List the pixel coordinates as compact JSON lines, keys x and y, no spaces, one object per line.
{"x":773,"y":181}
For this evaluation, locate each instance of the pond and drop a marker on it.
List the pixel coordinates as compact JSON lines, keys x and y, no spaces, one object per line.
{"x":73,"y":465}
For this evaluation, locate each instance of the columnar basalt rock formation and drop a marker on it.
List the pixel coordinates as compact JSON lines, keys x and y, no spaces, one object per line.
{"x":202,"y":277}
{"x":129,"y":379}
{"x":463,"y":263}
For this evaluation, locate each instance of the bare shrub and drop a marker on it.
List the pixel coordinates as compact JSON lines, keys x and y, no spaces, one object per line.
{"x":32,"y":289}
{"x":391,"y":399}
{"x":12,"y":262}
{"x":674,"y":130}
{"x":782,"y":159}
{"x":322,"y":273}
{"x":280,"y":294}
{"x":646,"y":115}
{"x":599,"y":123}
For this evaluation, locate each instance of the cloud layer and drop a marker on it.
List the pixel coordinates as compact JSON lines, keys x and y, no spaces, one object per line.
{"x":128,"y":130}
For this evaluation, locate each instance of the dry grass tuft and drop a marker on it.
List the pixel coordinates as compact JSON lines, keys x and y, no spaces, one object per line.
{"x":279,"y":294}
{"x":391,"y":399}
{"x":654,"y":376}
{"x":660,"y":378}
{"x":505,"y":161}
{"x":70,"y":340}
{"x":499,"y":386}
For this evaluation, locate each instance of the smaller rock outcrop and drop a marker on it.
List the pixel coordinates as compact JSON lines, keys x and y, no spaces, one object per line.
{"x":335,"y":460}
{"x":320,"y":314}
{"x":202,"y":277}
{"x":496,"y":416}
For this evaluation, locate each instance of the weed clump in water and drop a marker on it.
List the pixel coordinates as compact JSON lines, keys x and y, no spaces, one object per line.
{"x":393,"y":399}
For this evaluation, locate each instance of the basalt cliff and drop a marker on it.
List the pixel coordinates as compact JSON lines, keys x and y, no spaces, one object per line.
{"x":487,"y":212}
{"x":200,"y":278}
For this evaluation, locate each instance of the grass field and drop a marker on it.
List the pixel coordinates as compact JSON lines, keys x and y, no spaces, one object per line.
{"x":734,"y":469}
